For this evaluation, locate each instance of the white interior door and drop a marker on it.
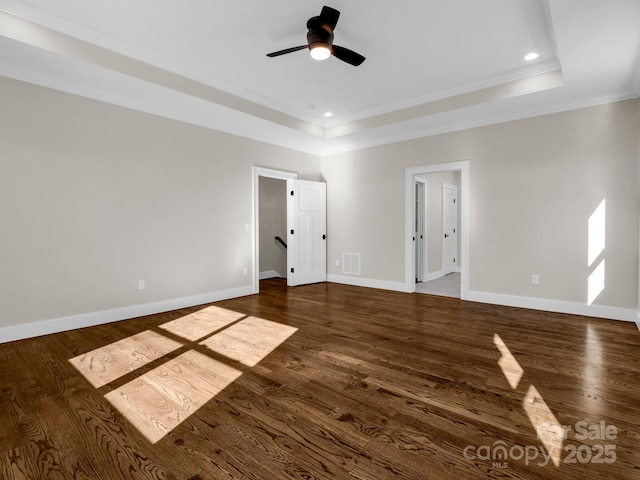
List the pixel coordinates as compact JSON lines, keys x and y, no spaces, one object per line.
{"x":307,"y":229}
{"x":449,"y":227}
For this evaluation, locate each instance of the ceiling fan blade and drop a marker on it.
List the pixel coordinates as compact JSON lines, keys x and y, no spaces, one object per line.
{"x":287,"y":50}
{"x":329,"y":16}
{"x":347,"y":55}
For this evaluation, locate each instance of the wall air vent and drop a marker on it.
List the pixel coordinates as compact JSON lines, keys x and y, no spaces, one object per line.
{"x":351,"y":263}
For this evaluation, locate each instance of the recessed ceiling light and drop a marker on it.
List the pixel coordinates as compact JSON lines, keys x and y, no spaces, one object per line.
{"x":531,"y":56}
{"x":328,"y":114}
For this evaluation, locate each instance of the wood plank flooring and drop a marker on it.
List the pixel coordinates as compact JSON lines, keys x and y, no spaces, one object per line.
{"x":326,"y":381}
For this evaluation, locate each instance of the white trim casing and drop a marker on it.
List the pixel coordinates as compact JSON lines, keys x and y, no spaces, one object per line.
{"x":56,"y":325}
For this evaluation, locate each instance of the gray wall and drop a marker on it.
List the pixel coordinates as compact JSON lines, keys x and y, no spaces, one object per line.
{"x":534,"y":184}
{"x":95,"y":197}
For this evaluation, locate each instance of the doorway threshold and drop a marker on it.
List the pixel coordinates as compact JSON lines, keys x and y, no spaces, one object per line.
{"x":446,"y":286}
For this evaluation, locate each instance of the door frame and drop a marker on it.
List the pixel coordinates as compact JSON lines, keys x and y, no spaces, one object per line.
{"x":258,"y":172}
{"x":463,"y":222}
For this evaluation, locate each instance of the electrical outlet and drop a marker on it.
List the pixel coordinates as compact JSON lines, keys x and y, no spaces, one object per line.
{"x":245,"y":270}
{"x":337,"y":263}
{"x":535,"y":279}
{"x":141,"y":285}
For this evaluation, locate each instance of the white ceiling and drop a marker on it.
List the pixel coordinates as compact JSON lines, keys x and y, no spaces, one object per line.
{"x":432,"y":65}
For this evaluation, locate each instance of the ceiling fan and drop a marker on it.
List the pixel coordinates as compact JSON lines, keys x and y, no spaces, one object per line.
{"x":320,"y":40}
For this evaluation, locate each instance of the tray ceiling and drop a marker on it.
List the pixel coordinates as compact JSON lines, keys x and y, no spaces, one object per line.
{"x":431,"y":66}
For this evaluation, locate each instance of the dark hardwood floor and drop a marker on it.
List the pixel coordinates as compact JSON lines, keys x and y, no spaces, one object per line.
{"x":348,"y":383}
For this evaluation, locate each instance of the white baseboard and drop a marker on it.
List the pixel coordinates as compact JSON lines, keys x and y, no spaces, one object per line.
{"x":45,"y":327}
{"x":55,"y":325}
{"x":367,"y":282}
{"x":600,"y":311}
{"x":269,"y":274}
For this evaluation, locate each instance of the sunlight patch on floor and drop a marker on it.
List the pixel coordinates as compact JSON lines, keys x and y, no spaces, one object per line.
{"x":508,"y":363}
{"x":158,"y":401}
{"x":250,"y":340}
{"x":201,"y":323}
{"x":548,"y":429}
{"x":106,"y":364}
{"x":592,"y":371}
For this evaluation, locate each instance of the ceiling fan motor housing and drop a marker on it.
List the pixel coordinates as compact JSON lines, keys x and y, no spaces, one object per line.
{"x":319,"y":35}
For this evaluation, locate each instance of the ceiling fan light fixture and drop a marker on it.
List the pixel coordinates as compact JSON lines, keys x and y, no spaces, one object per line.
{"x":320,"y":52}
{"x":320,"y":40}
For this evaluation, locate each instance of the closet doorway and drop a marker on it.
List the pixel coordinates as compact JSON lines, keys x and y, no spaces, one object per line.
{"x":436,"y":221}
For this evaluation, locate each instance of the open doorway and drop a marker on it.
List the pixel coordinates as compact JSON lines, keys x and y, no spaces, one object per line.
{"x":445,"y":221}
{"x":437,"y":240}
{"x":272,"y":228}
{"x":271,"y":182}
{"x":303,"y":204}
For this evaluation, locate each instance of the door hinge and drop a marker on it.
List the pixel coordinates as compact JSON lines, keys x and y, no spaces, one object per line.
{"x":324,"y":237}
{"x":292,"y":270}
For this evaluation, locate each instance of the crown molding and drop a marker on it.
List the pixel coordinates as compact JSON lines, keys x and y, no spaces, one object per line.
{"x":143,"y":83}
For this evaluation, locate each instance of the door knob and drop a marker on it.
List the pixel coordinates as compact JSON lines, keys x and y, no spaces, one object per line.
{"x":445,"y":235}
